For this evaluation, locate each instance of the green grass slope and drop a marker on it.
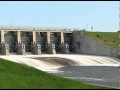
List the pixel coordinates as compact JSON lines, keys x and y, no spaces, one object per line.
{"x":108,"y":38}
{"x":14,"y":75}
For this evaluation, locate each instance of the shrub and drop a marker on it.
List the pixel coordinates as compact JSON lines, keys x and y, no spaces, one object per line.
{"x":113,"y":40}
{"x":97,"y":35}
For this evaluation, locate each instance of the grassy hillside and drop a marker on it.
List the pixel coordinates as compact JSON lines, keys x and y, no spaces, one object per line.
{"x":108,"y":38}
{"x":15,"y":75}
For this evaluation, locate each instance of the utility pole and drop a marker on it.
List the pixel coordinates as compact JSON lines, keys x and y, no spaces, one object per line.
{"x":119,"y":28}
{"x":87,"y":26}
{"x":11,"y":22}
{"x":119,"y":16}
{"x":91,"y":28}
{"x":119,"y":23}
{"x":86,"y":22}
{"x":119,"y":41}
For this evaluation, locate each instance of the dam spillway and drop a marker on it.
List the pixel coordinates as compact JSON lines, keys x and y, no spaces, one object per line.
{"x":51,"y":41}
{"x":20,"y":41}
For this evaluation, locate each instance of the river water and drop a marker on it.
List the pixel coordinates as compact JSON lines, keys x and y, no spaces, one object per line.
{"x":99,"y":75}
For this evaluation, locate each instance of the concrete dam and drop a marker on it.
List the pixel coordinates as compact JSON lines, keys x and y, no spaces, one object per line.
{"x":38,"y":41}
{"x":62,"y":52}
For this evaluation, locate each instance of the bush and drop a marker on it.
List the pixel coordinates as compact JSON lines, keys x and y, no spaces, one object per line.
{"x":113,"y":40}
{"x":98,"y":35}
{"x":104,"y":40}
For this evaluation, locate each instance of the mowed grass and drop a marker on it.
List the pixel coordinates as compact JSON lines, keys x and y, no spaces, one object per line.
{"x":108,"y":38}
{"x":19,"y":76}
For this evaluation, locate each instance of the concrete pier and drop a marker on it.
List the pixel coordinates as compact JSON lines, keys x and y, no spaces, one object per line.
{"x":21,"y":49}
{"x":65,"y":49}
{"x":2,"y":39}
{"x":51,"y":49}
{"x":4,"y":49}
{"x":36,"y":49}
{"x":18,"y":37}
{"x":62,"y":37}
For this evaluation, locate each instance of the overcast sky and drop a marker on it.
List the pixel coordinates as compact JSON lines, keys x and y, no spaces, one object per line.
{"x":102,"y":15}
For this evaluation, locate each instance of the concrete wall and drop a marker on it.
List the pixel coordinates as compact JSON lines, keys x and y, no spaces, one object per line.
{"x":90,"y":46}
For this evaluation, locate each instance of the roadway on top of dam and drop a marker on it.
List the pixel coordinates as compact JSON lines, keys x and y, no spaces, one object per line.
{"x":37,"y":30}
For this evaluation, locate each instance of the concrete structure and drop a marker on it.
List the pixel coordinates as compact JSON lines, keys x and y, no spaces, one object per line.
{"x":38,"y":41}
{"x":91,"y":47}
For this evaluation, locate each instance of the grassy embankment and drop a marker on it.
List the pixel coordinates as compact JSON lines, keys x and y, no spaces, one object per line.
{"x":108,"y":38}
{"x":15,"y":75}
